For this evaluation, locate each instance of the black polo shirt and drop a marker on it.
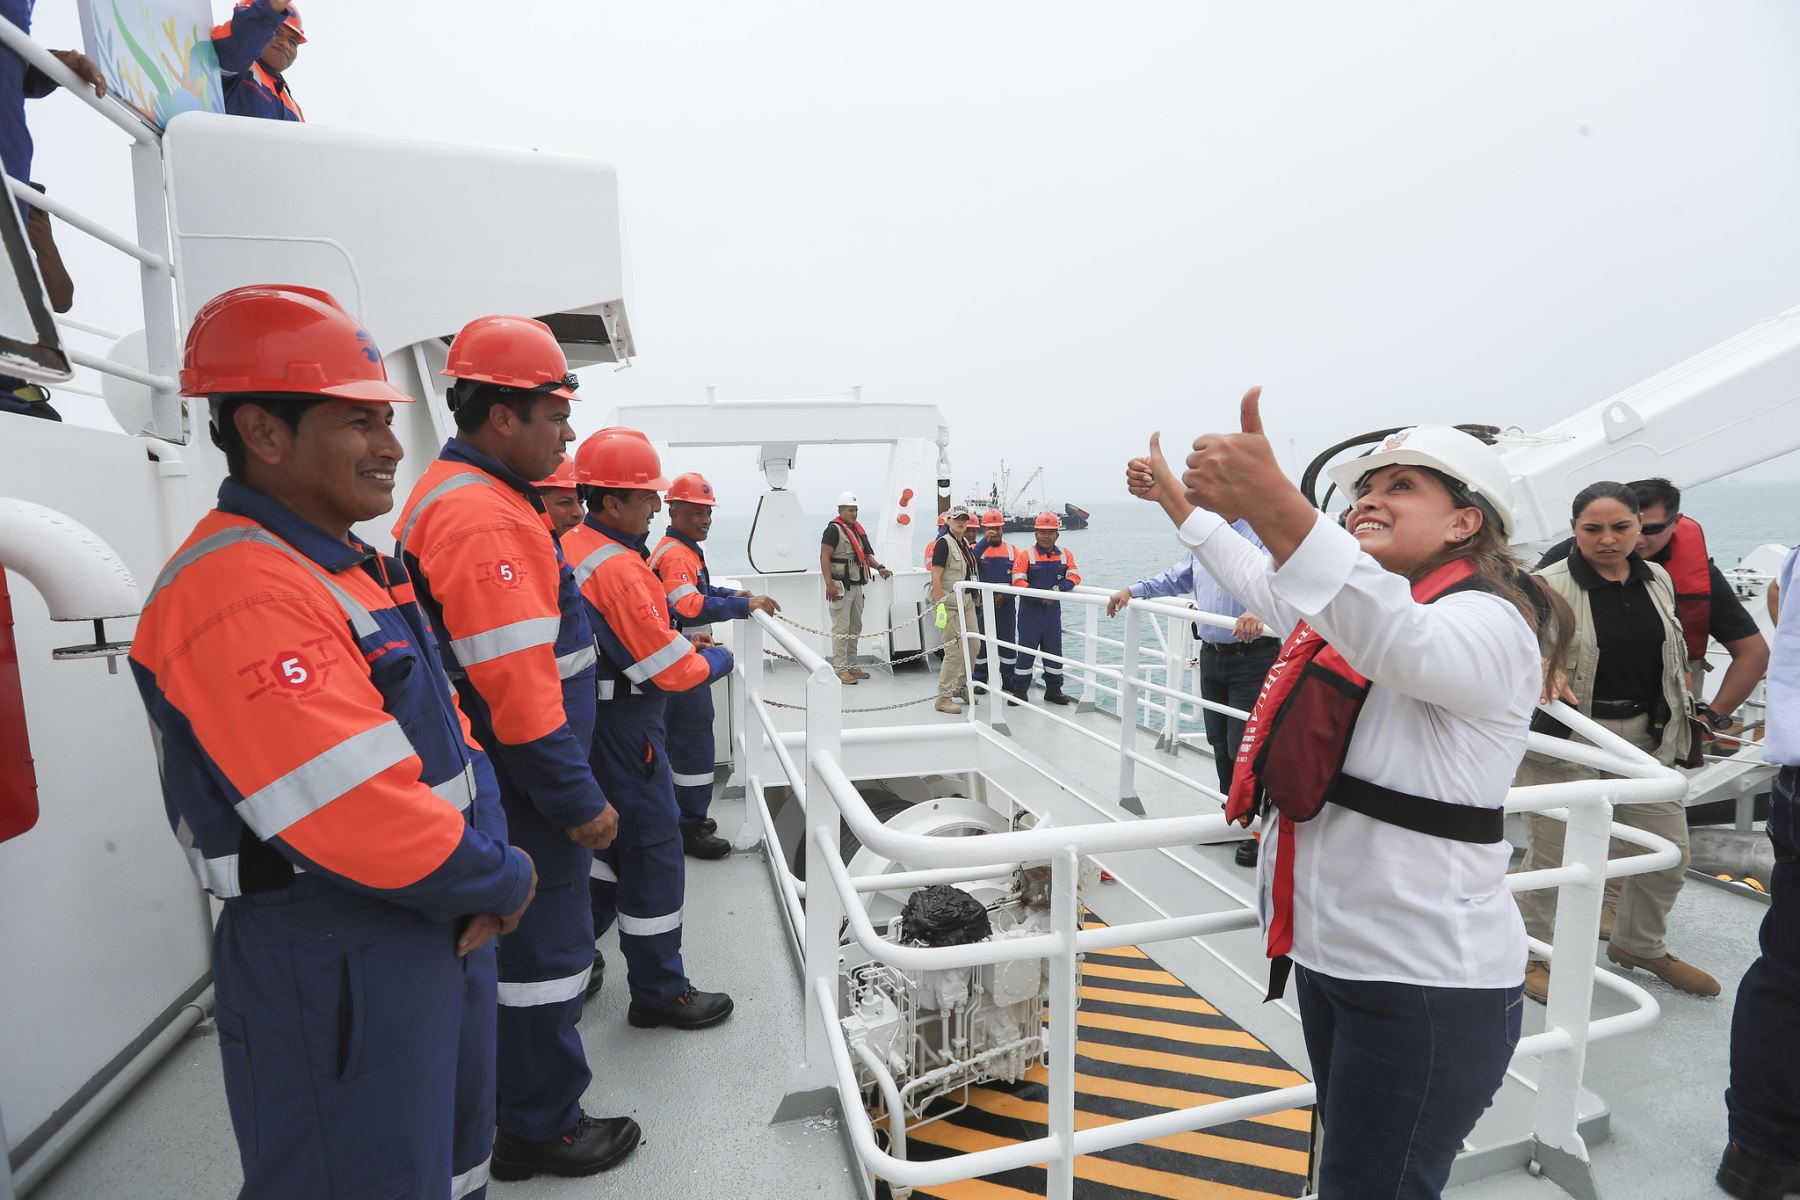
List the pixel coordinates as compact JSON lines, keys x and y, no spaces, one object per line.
{"x":1629,"y":630}
{"x":1730,"y":620}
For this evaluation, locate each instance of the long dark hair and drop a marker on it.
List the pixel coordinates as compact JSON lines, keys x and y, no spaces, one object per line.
{"x":1506,"y":575}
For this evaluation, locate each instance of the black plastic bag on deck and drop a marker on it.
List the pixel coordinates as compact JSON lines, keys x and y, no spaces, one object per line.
{"x":941,"y":915}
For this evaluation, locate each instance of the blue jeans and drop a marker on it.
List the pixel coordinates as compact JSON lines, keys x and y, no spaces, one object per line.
{"x":1403,"y":1073}
{"x":1763,"y":1103}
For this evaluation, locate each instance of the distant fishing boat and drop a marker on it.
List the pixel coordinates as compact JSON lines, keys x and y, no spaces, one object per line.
{"x":1019,"y":507}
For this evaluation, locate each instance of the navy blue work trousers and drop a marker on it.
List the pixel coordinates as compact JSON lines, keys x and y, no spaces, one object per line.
{"x":1403,"y":1073}
{"x":544,"y":966}
{"x":358,"y":1049}
{"x":689,"y":718}
{"x":1232,"y":673}
{"x":1005,"y":630}
{"x":1040,"y":629}
{"x":1762,"y":1104}
{"x":640,"y":880}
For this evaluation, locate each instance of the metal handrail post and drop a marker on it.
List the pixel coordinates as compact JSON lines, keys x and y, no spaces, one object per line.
{"x":1128,"y":712}
{"x":1171,"y":706}
{"x":747,"y":767}
{"x":162,"y":328}
{"x":811,"y":1090}
{"x":1065,"y":967}
{"x":1090,"y":656}
{"x":1557,"y":1144}
{"x":996,"y":684}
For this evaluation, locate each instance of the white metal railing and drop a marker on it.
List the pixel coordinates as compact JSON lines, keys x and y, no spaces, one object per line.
{"x":834,"y":901}
{"x":150,"y":249}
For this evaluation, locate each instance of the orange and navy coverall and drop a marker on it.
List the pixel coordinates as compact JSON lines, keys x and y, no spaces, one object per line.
{"x":1040,"y":621}
{"x":324,"y":785}
{"x":998,"y":563}
{"x":517,"y":643}
{"x":641,"y":878}
{"x":251,"y":89}
{"x":681,"y":565}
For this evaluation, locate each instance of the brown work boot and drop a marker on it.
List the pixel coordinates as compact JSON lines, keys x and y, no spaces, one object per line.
{"x":846,"y":677}
{"x":1607,"y":916}
{"x":1685,"y":977}
{"x":947,"y":704}
{"x":1537,"y":981}
{"x":859,"y":672}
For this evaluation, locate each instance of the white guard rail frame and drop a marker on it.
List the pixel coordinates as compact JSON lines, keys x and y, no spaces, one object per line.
{"x":833,"y":903}
{"x":151,"y":249}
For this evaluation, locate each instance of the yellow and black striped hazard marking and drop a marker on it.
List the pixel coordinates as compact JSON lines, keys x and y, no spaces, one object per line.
{"x":1147,"y":1044}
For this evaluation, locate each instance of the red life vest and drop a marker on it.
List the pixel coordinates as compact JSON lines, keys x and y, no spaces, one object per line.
{"x":1691,"y":571}
{"x":1293,"y":750}
{"x":859,"y":541}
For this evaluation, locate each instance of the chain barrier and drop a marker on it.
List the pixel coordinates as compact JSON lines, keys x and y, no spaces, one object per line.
{"x":888,"y":666}
{"x":826,"y":633}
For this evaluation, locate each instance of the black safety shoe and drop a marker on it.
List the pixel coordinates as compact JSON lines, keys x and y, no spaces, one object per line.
{"x":1055,"y":696}
{"x":693,"y":1009}
{"x":696,"y":842}
{"x":1246,"y":853}
{"x":1750,"y":1178}
{"x":595,"y":1144}
{"x":709,"y":825}
{"x":596,"y":976}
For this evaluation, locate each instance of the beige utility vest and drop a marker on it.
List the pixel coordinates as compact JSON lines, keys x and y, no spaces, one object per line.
{"x":844,"y":567}
{"x":956,"y":566}
{"x":1584,"y":651}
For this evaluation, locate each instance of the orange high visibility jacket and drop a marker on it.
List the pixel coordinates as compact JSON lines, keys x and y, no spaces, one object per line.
{"x":681,"y":565}
{"x":510,"y":625}
{"x":639,"y":648}
{"x":303,"y":727}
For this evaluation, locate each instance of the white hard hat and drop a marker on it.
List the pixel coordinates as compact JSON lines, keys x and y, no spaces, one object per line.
{"x":1464,"y":457}
{"x":848,"y":500}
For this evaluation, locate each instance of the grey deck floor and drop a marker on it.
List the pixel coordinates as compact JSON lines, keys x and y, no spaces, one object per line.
{"x":704,"y":1099}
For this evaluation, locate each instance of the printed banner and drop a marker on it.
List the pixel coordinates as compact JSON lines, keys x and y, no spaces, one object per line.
{"x":157,"y":55}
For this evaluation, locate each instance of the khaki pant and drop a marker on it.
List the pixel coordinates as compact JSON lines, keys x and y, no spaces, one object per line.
{"x":1643,"y":901}
{"x":953,"y":676}
{"x":846,"y":625}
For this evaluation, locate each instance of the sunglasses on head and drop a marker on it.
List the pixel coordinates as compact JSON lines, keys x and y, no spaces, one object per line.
{"x":1652,"y":530}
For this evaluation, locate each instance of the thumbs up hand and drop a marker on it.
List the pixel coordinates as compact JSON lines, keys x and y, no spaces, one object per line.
{"x":1230,"y":472}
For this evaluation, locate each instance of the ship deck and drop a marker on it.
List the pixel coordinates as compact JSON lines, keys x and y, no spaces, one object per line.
{"x":705,"y":1099}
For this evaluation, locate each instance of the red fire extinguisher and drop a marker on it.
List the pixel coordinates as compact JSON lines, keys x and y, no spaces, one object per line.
{"x":18,"y":779}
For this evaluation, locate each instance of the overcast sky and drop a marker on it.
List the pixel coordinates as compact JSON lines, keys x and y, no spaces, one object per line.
{"x":1069,"y":224}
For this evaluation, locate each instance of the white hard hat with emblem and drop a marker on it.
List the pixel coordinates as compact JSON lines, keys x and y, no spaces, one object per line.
{"x":1462,"y":456}
{"x":848,"y":500}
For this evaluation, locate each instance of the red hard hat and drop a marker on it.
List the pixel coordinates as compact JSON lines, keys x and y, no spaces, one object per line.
{"x":292,"y":21}
{"x":1047,"y":520}
{"x":562,"y":477}
{"x":991,"y":519}
{"x":692,"y":488}
{"x":515,"y":352}
{"x":280,"y":337}
{"x":619,"y":458}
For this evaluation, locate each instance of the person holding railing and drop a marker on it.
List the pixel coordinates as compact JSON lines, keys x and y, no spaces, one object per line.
{"x":1705,"y":603}
{"x":847,"y":563}
{"x":1627,"y":669}
{"x":18,"y":83}
{"x":1380,"y":754}
{"x":1233,"y":661}
{"x":1762,"y":1159}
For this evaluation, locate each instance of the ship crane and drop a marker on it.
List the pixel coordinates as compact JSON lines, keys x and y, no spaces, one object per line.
{"x":1019,"y":495}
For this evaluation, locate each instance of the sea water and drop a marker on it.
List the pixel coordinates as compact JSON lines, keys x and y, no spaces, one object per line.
{"x":1128,"y":540}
